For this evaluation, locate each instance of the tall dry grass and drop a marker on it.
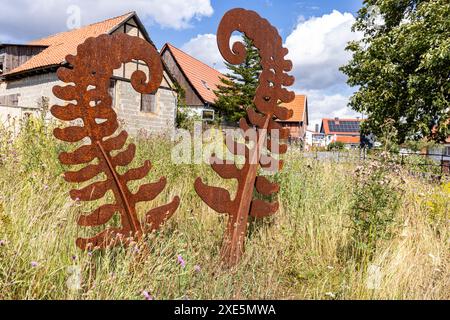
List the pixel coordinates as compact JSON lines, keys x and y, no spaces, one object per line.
{"x":298,"y":254}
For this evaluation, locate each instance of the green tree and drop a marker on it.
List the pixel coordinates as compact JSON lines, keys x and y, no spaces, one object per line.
{"x":183,"y":119}
{"x":401,"y":67}
{"x":236,"y":92}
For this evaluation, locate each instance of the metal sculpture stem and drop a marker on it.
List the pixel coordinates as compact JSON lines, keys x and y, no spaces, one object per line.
{"x":269,"y":94}
{"x":88,"y":78}
{"x":119,"y":192}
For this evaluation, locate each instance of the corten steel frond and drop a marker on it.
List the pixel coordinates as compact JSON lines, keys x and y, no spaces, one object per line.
{"x":88,"y":82}
{"x":269,"y":94}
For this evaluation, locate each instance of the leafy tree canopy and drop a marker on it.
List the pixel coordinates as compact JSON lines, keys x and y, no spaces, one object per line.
{"x":401,"y":67}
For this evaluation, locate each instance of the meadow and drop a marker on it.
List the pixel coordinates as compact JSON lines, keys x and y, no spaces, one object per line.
{"x":343,"y":231}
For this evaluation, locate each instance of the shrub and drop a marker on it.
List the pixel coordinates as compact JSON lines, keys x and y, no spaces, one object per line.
{"x":376,"y":198}
{"x":336,"y":146}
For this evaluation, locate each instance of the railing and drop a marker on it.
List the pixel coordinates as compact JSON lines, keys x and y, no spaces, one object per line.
{"x":432,"y":165}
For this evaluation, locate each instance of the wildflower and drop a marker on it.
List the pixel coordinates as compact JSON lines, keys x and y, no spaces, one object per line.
{"x":330,"y":294}
{"x":46,"y":187}
{"x":197,"y":268}
{"x":2,"y":243}
{"x":181,"y":261}
{"x":147,"y":295}
{"x":34,"y":264}
{"x":74,"y":257}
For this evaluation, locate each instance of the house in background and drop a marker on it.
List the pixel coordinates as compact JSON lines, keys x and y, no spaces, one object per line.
{"x":346,"y":131}
{"x":440,"y":153}
{"x":298,"y":123}
{"x":29,"y":74}
{"x":197,"y":79}
{"x":314,"y":139}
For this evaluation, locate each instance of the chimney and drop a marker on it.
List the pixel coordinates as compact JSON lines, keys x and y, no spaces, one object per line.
{"x":317,"y":127}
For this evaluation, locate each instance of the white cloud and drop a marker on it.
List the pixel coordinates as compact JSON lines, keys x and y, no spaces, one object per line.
{"x":323,"y":105}
{"x":317,"y":49}
{"x":28,"y":19}
{"x":204,"y":48}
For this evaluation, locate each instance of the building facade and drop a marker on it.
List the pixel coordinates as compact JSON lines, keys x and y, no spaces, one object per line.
{"x":314,"y":139}
{"x":346,"y":131}
{"x":197,"y":80}
{"x":299,"y":121}
{"x":29,"y":74}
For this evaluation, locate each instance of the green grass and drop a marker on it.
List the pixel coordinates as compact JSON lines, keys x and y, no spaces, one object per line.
{"x":297,"y":254}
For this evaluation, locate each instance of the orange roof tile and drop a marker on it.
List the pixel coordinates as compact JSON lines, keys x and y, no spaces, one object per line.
{"x":202,"y":77}
{"x":64,"y":43}
{"x":348,"y":139}
{"x":298,"y":105}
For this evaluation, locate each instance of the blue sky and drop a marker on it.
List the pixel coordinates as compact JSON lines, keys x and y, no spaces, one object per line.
{"x":315,"y":32}
{"x":283,"y":14}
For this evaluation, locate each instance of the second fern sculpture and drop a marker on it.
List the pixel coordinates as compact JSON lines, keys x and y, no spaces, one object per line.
{"x":88,"y":82}
{"x":269,"y":94}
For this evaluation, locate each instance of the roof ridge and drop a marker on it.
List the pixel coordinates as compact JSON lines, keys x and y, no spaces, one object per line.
{"x":171,"y":45}
{"x":109,"y":19}
{"x":58,"y":45}
{"x":82,"y":27}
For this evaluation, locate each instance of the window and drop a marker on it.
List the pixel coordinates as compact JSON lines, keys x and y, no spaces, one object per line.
{"x":447,"y":151}
{"x":1,"y":67}
{"x":10,"y":100}
{"x":148,"y":103}
{"x":208,"y":115}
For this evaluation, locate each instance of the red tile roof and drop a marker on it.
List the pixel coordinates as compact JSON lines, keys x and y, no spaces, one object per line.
{"x":348,"y":139}
{"x":298,"y":105}
{"x":202,"y":77}
{"x":64,"y":43}
{"x":338,"y":122}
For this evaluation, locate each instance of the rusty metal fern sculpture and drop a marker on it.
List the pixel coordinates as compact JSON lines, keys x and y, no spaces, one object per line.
{"x":88,"y":81}
{"x":269,"y":94}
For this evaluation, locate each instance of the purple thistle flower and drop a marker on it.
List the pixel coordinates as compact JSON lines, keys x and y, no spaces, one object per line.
{"x":147,"y":295}
{"x":181,"y":261}
{"x":197,"y":268}
{"x":34,"y":264}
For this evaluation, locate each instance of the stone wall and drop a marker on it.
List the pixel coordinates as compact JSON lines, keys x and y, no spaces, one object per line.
{"x":127,"y":103}
{"x":31,"y":89}
{"x":128,"y":107}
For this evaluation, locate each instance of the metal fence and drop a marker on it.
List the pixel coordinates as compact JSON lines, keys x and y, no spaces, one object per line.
{"x":427,"y":165}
